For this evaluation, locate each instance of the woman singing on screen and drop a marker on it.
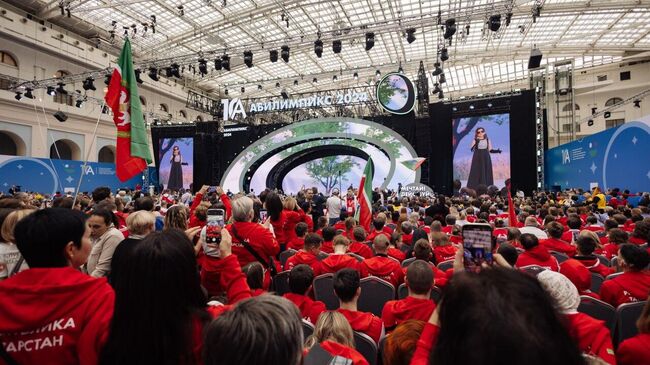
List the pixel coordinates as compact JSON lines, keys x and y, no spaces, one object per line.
{"x":175,"y":172}
{"x":481,"y":171}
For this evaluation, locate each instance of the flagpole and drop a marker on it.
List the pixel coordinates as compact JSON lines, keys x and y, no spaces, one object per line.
{"x":92,"y":142}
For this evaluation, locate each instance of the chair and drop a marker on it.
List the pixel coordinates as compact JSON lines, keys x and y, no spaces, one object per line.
{"x":407,"y":262}
{"x":359,"y":258}
{"x":614,"y":263}
{"x":281,"y":283}
{"x":403,"y":292}
{"x":375,"y":292}
{"x":436,"y":294}
{"x":612,"y":276}
{"x":532,"y":269}
{"x":324,"y":291}
{"x":284,"y":256}
{"x":366,"y":347}
{"x":559,"y":256}
{"x":380,"y":351}
{"x":446,"y":265}
{"x":599,"y":310}
{"x":603,"y":260}
{"x":626,"y":316}
{"x":307,"y":330}
{"x":322,"y":256}
{"x":596,"y":282}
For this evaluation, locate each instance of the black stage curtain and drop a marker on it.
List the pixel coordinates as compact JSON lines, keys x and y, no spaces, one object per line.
{"x":522,"y":142}
{"x":441,"y":172}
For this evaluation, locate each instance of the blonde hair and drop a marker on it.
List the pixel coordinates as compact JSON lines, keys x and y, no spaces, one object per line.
{"x":340,"y":240}
{"x":289,"y":203}
{"x":141,"y":221}
{"x":332,"y":326}
{"x":7,"y":230}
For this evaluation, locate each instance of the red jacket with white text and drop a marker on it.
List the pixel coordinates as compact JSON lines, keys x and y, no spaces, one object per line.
{"x":626,"y":288}
{"x":554,"y":244}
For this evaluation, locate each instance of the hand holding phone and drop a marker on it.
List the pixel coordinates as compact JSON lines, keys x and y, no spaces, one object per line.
{"x":263,"y":214}
{"x":477,"y":246}
{"x":211,"y":233}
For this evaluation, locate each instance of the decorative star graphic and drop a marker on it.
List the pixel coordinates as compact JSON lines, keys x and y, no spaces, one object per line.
{"x":20,"y":167}
{"x":5,"y":184}
{"x":593,"y":168}
{"x":648,"y":175}
{"x":615,"y":155}
{"x":69,"y":179}
{"x":41,"y":174}
{"x":634,"y":140}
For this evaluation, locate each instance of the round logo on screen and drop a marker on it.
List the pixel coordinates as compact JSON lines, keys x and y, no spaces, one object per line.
{"x":396,"y":93}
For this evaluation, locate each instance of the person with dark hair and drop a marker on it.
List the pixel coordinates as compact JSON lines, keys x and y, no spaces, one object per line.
{"x":396,"y":244}
{"x":422,"y":251}
{"x":592,"y":224}
{"x":321,"y":223}
{"x":308,"y":255}
{"x":105,"y":239}
{"x":378,"y":228}
{"x":300,"y":282}
{"x":418,"y":304}
{"x":529,"y":330}
{"x":443,"y":250}
{"x":509,"y":253}
{"x":586,"y":245}
{"x":347,"y":287}
{"x":480,"y":172}
{"x":340,"y":259}
{"x":400,"y":345}
{"x":358,"y":245}
{"x":640,"y":233}
{"x":574,"y":223}
{"x":615,"y":238}
{"x":52,"y":312}
{"x":579,"y":275}
{"x":282,"y":219}
{"x":254,"y":272}
{"x":634,"y":350}
{"x":306,"y":207}
{"x":175,"y":180}
{"x":262,"y":330}
{"x":634,"y":284}
{"x":554,"y":242}
{"x":328,"y":239}
{"x":298,"y":242}
{"x":100,"y":194}
{"x":535,"y":254}
{"x":381,"y":265}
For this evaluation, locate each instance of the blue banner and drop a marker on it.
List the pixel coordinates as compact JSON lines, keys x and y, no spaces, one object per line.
{"x":618,"y":157}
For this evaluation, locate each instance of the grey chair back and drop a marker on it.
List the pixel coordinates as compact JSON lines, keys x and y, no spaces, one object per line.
{"x":559,"y":256}
{"x":281,"y":283}
{"x":403,"y":292}
{"x":284,"y":256}
{"x":626,"y":316}
{"x":359,"y":258}
{"x":596,"y":282}
{"x":599,"y":310}
{"x":366,"y":347}
{"x":603,"y":260}
{"x":407,"y":262}
{"x":307,"y":330}
{"x":612,"y":276}
{"x":375,"y":292}
{"x":446,"y":265}
{"x":324,"y":291}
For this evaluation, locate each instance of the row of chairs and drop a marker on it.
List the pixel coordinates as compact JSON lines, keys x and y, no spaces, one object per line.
{"x":621,"y":321}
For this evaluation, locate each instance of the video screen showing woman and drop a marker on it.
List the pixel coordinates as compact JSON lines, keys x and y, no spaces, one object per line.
{"x":176,"y":163}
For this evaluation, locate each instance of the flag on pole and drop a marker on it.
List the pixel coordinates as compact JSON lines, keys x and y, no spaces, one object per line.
{"x":133,"y":154}
{"x":512,"y":216}
{"x":414,"y":164}
{"x":364,"y":197}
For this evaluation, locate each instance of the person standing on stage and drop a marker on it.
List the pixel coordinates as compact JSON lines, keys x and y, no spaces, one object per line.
{"x":175,"y":181}
{"x":480,"y":172}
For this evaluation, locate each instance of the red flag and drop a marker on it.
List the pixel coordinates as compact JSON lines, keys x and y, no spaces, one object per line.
{"x":364,"y":197}
{"x":512,"y":216}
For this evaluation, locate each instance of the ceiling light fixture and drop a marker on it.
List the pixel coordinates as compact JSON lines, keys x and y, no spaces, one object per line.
{"x":450,"y":28}
{"x":284,"y":53}
{"x":248,"y":58}
{"x":318,"y":48}
{"x":337,"y":46}
{"x":370,"y":40}
{"x":410,"y":35}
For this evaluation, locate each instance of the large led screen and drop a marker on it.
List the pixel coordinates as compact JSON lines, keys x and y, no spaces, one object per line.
{"x":482,"y":150}
{"x":176,"y":166}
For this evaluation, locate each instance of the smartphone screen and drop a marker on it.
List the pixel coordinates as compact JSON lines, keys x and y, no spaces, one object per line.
{"x":263,"y":215}
{"x":477,"y":245}
{"x":211,"y":233}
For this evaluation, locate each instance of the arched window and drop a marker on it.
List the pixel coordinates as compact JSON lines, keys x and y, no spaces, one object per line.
{"x":183,"y":114}
{"x":164,"y":108}
{"x":199,"y":118}
{"x":7,"y":145}
{"x":106,"y":154}
{"x":8,"y":59}
{"x":613,"y":101}
{"x":567,"y":107}
{"x":143,"y":100}
{"x":65,"y":149}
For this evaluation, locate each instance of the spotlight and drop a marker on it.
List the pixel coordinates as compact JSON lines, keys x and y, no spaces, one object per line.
{"x":153,"y":73}
{"x":318,"y":48}
{"x":442,"y":79}
{"x":377,"y":73}
{"x":273,"y":55}
{"x":51,"y":91}
{"x":535,"y":58}
{"x":444,"y":54}
{"x":314,"y":80}
{"x":356,"y":76}
{"x":259,"y":87}
{"x":107,"y":80}
{"x":225,"y":91}
{"x":225,"y":62}
{"x":295,"y":82}
{"x":508,"y":19}
{"x":175,"y":70}
{"x":248,"y":58}
{"x":607,"y":114}
{"x":590,"y":122}
{"x":79,"y":103}
{"x":450,"y":28}
{"x":337,"y":46}
{"x":494,"y":22}
{"x":370,"y":40}
{"x":168,"y":72}
{"x":88,"y":84}
{"x":471,"y":106}
{"x":437,"y":71}
{"x":243,"y":89}
{"x":203,"y":66}
{"x":60,"y":89}
{"x":334,"y":78}
{"x":489,"y":105}
{"x":593,"y":110}
{"x":218,"y":64}
{"x":400,"y":69}
{"x":436,"y":88}
{"x":410,"y":35}
{"x":441,"y":95}
{"x":277,"y":84}
{"x":637,"y":103}
{"x":19,"y":95}
{"x":137,"y":76}
{"x":284,"y":53}
{"x":284,"y":94}
{"x":60,"y":116}
{"x":28,"y":93}
{"x":455,"y":109}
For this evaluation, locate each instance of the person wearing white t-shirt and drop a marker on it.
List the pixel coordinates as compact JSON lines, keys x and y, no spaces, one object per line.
{"x":334,"y":204}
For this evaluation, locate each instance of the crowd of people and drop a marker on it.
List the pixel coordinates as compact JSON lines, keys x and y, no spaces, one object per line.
{"x":129,"y":278}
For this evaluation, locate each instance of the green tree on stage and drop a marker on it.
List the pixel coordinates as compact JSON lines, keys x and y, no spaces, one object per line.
{"x":328,"y":170}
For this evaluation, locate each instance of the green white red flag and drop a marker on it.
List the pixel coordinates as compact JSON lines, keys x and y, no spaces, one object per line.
{"x":364,"y":197}
{"x":415,"y":163}
{"x":132,"y":147}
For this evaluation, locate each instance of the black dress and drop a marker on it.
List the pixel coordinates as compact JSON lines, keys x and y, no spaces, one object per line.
{"x":481,"y":171}
{"x":175,"y":174}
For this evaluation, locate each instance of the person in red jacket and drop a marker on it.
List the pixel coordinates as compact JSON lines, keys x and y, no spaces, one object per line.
{"x":636,"y":350}
{"x":450,"y":222}
{"x":398,"y":348}
{"x":378,"y":225}
{"x":308,"y":255}
{"x":554,"y":242}
{"x":333,"y":334}
{"x":283,"y":220}
{"x":422,"y":251}
{"x":52,"y":311}
{"x":300,"y":282}
{"x":381,"y":265}
{"x":579,"y":275}
{"x":585,"y":254}
{"x":328,"y":236}
{"x":395,"y":246}
{"x":591,"y":335}
{"x":592,"y":224}
{"x":358,"y":245}
{"x":442,"y":249}
{"x":418,"y":305}
{"x":640,"y":233}
{"x":340,"y":259}
{"x":306,"y":207}
{"x":574,"y":223}
{"x":347,"y":288}
{"x":407,"y":233}
{"x":634,"y":284}
{"x":298,"y":242}
{"x":535,"y":254}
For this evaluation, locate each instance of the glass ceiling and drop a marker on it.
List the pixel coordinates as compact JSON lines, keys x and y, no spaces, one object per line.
{"x":591,"y":32}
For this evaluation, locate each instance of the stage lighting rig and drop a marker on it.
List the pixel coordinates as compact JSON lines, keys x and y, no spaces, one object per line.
{"x":450,"y":28}
{"x":444,"y":54}
{"x":259,"y":87}
{"x":335,"y":78}
{"x":284,"y":94}
{"x":61,"y":88}
{"x":225,"y":91}
{"x":181,"y":10}
{"x":203,"y":66}
{"x":607,"y":115}
{"x":89,"y":84}
{"x":442,"y":79}
{"x":400,"y":69}
{"x":410,"y":35}
{"x":494,"y":22}
{"x":273,"y":55}
{"x":318,"y":48}
{"x":107,"y":80}
{"x":51,"y":91}
{"x":225,"y":62}
{"x":175,"y":70}
{"x":243,"y":89}
{"x":437,"y":70}
{"x":19,"y":95}
{"x":137,"y":76}
{"x":637,"y":103}
{"x":284,"y":53}
{"x":218,"y":65}
{"x":80,"y":102}
{"x":248,"y":58}
{"x":378,"y":73}
{"x":337,"y":46}
{"x":28,"y":93}
{"x":355,"y":76}
{"x":441,"y":95}
{"x":277,"y":84}
{"x":508,"y":18}
{"x":295,"y":82}
{"x":153,"y":73}
{"x":594,"y":110}
{"x":370,"y":40}
{"x":314,"y":80}
{"x":436,"y":89}
{"x":590,"y":122}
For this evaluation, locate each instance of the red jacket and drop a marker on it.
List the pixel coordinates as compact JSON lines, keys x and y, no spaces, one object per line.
{"x":373,"y":234}
{"x":594,"y":228}
{"x":398,"y":311}
{"x":337,"y":349}
{"x":554,"y":244}
{"x":625,"y":288}
{"x":611,"y":250}
{"x":340,"y":225}
{"x":439,"y":277}
{"x":540,"y":256}
{"x":407,"y":239}
{"x":307,"y":258}
{"x":258,"y":237}
{"x":447,"y":230}
{"x":396,"y":254}
{"x":309,"y":309}
{"x":285,"y":227}
{"x":593,"y":264}
{"x":327,"y":247}
{"x":310,"y":223}
{"x":634,"y":351}
{"x":570,"y":235}
{"x":296,"y":243}
{"x":336,"y":262}
{"x":637,"y":241}
{"x":579,"y":275}
{"x":364,"y":322}
{"x":384,"y":268}
{"x":427,"y":341}
{"x":360,"y":249}
{"x":55,"y":315}
{"x":444,"y":253}
{"x":591,"y":336}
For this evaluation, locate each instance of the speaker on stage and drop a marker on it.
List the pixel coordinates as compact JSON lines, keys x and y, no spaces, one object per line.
{"x":60,"y":116}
